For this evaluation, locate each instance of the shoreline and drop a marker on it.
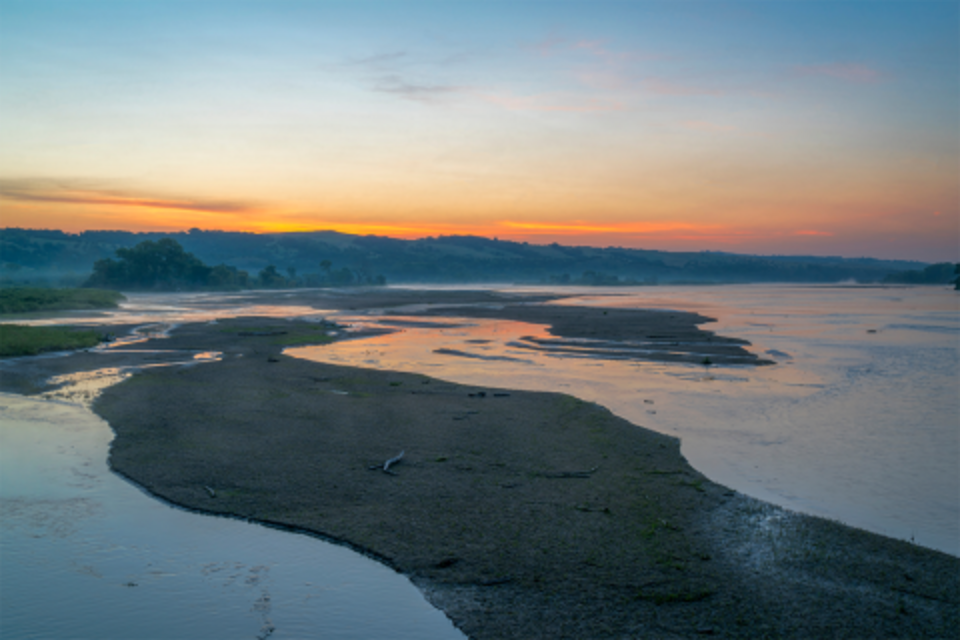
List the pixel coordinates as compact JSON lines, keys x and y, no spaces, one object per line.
{"x":518,"y":514}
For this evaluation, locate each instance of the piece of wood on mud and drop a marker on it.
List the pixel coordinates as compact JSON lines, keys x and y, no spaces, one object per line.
{"x":385,"y":467}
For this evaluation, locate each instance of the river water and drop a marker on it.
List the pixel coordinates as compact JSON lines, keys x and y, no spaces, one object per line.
{"x":85,"y":554}
{"x":859,"y":421}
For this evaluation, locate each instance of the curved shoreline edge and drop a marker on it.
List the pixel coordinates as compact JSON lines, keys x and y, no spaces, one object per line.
{"x":519,"y":514}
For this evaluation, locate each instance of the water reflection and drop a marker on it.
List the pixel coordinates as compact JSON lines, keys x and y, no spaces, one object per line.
{"x":87,"y":555}
{"x":83,"y":387}
{"x":858,"y":422}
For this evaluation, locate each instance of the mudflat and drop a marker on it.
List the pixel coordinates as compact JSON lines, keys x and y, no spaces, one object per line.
{"x":519,"y":514}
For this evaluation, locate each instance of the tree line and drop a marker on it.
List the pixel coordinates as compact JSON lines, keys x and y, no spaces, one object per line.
{"x":939,"y":273}
{"x":164,"y":265}
{"x":57,"y":257}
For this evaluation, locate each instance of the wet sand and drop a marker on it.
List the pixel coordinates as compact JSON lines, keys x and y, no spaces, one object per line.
{"x":519,"y":514}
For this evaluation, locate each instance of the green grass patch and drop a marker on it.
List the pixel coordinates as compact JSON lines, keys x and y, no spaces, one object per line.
{"x":34,"y":299}
{"x":294,"y":339}
{"x":250,"y":330}
{"x":19,"y":340}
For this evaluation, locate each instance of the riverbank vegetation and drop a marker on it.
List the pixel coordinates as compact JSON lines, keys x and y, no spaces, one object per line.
{"x":20,"y":340}
{"x":308,"y":259}
{"x":36,"y":299}
{"x":165,"y":265}
{"x":940,"y":273}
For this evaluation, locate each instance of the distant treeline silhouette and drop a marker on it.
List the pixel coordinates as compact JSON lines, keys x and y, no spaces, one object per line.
{"x":940,"y":273}
{"x":164,"y":265}
{"x":30,"y":255}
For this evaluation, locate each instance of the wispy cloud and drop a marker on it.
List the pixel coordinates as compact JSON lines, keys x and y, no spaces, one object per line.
{"x":710,"y":127}
{"x":36,"y":191}
{"x":664,"y":87}
{"x":598,"y":49}
{"x":596,"y":64}
{"x":544,"y":102}
{"x":393,"y":73}
{"x":811,"y":232}
{"x":420,"y":92}
{"x":550,"y":45}
{"x":380,"y":59}
{"x":846,"y":71}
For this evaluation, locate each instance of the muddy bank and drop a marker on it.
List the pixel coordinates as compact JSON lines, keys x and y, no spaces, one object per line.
{"x":31,"y":375}
{"x":520,"y":514}
{"x":587,"y":331}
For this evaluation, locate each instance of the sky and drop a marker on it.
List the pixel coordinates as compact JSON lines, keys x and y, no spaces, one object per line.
{"x":772,"y":127}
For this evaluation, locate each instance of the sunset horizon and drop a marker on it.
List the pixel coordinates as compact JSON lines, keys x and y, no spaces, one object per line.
{"x":823,"y":129}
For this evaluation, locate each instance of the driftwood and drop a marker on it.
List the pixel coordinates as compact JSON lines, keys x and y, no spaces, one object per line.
{"x":385,"y":467}
{"x":213,"y":494}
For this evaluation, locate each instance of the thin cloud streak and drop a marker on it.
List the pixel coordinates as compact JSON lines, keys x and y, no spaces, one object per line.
{"x":555,"y":44}
{"x":547,"y":103}
{"x":702,"y":125}
{"x":395,"y":85}
{"x":849,"y":72}
{"x":663,"y":87}
{"x":111,"y":198}
{"x":379,"y":59}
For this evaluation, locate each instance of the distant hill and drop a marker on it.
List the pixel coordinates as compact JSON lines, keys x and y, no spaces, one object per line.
{"x":30,"y":256}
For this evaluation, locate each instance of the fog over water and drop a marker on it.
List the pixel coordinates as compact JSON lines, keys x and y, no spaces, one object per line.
{"x":856,"y":421}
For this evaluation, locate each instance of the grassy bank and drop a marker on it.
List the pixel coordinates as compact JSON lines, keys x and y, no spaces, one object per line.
{"x":19,"y":340}
{"x":33,"y":299}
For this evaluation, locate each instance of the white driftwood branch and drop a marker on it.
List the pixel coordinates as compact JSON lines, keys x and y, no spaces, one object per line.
{"x":385,"y":467}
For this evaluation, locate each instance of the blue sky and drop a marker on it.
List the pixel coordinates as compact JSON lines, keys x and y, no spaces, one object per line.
{"x":768,"y":127}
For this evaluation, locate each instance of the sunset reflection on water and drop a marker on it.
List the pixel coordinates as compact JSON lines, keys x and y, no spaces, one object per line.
{"x":857,"y":421}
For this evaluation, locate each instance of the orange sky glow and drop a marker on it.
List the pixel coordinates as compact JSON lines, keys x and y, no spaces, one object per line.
{"x":827,"y":130}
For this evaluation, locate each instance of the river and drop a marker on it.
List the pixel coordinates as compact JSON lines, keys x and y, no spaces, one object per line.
{"x":857,"y":421}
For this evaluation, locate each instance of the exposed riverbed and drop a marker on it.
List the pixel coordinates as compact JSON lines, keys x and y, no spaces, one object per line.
{"x":863,"y":396}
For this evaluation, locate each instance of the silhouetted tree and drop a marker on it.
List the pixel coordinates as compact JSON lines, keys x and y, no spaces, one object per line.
{"x":161,"y":265}
{"x":269,"y":277}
